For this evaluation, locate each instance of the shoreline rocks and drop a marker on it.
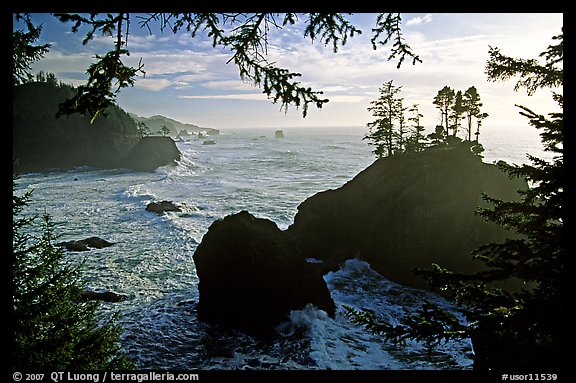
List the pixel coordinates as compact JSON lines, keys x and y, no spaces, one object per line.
{"x":162,"y":207}
{"x":104,"y":296}
{"x":85,"y":244}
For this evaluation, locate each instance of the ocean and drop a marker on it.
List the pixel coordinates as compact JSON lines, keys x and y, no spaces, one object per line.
{"x":246,"y":169}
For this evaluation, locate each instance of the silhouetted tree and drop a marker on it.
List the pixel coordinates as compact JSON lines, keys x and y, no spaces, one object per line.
{"x":444,"y":101}
{"x":416,"y":141}
{"x":55,"y":328}
{"x":143,"y":129}
{"x":438,"y":137}
{"x":457,"y":110}
{"x":471,"y":103}
{"x":402,"y":128}
{"x":24,"y":52}
{"x":388,"y":111}
{"x":519,"y":330}
{"x":164,"y":131}
{"x":479,"y":119}
{"x":244,"y":35}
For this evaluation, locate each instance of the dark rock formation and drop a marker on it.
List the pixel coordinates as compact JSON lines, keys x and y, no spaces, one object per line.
{"x":279,"y":134}
{"x":85,"y":244}
{"x":105,"y":296}
{"x":404,"y":212}
{"x":252,"y":275}
{"x":152,"y":152}
{"x":162,"y":207}
{"x":209,"y":142}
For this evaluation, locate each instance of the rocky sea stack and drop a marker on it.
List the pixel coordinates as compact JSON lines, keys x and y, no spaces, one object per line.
{"x":152,"y":152}
{"x":252,"y":275}
{"x":407,"y":211}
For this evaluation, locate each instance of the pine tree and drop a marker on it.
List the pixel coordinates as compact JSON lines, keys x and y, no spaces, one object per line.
{"x":24,"y":52}
{"x":54,"y":327}
{"x":511,"y":329}
{"x":471,"y":103}
{"x":444,"y":101}
{"x":416,"y":141}
{"x":388,"y":111}
{"x":457,"y":110}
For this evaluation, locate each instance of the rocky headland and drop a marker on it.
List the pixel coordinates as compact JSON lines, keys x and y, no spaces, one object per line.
{"x":407,"y":211}
{"x":42,"y":142}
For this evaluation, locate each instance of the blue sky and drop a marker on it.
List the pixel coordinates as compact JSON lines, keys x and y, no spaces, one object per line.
{"x":188,"y":80}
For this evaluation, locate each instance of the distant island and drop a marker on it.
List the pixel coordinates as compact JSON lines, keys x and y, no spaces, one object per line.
{"x":176,"y":128}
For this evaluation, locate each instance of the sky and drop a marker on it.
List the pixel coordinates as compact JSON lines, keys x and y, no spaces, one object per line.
{"x":189,"y":80}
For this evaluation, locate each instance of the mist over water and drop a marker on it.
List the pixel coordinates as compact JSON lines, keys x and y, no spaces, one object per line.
{"x":247,"y":169}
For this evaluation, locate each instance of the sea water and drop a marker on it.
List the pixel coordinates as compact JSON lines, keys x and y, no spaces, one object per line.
{"x":247,"y":169}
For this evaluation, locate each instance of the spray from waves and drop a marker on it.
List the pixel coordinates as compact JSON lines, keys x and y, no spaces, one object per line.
{"x":338,"y":345}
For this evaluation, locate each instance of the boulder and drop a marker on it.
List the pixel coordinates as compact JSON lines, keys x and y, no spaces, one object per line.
{"x":407,"y":211}
{"x":85,"y":244}
{"x":162,"y":207}
{"x":252,"y":275}
{"x":152,"y":152}
{"x":105,"y":296}
{"x":279,"y":134}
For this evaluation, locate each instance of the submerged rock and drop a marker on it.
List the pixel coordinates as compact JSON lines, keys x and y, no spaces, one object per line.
{"x":162,"y":207}
{"x":105,"y":296}
{"x":252,"y":275}
{"x":406,"y":211}
{"x":85,"y":244}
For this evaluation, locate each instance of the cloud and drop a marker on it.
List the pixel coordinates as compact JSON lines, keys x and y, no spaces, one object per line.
{"x":419,"y":20}
{"x":154,"y":84}
{"x":239,"y":96}
{"x":349,"y":98}
{"x":228,"y":85}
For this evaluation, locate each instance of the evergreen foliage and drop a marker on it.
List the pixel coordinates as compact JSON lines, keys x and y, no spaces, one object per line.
{"x":54,"y":327}
{"x":24,"y":53}
{"x":431,"y":325}
{"x":510,"y":329}
{"x":388,"y":112}
{"x":245,"y":36}
{"x":390,"y":134}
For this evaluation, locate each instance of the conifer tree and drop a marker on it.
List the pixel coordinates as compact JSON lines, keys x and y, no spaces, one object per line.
{"x":444,"y":101}
{"x":457,"y":110}
{"x":388,"y":112}
{"x":24,"y":52}
{"x":54,"y":327}
{"x":518,"y":330}
{"x":472,"y":104}
{"x":416,"y":140}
